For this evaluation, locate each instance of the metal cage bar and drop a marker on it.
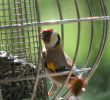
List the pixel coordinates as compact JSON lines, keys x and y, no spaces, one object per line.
{"x":76,"y":51}
{"x":61,"y":18}
{"x":103,"y":41}
{"x":92,"y":35}
{"x":102,"y":44}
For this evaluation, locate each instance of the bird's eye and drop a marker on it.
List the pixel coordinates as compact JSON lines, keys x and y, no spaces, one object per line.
{"x":46,"y":39}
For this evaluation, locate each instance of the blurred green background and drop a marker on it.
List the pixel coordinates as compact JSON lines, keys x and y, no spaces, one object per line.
{"x":99,"y":85}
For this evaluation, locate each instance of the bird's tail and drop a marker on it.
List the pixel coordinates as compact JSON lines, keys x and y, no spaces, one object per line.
{"x":77,"y":86}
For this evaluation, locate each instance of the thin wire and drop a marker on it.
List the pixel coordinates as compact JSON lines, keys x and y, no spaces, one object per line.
{"x":78,"y":40}
{"x":45,"y":75}
{"x":21,"y":22}
{"x":39,"y":51}
{"x":28,"y":33}
{"x":6,"y":32}
{"x":67,"y":94}
{"x":11,"y":31}
{"x":92,"y":34}
{"x":75,"y":56}
{"x":104,"y":29}
{"x":90,"y":45}
{"x":4,"y":15}
{"x":33,"y":32}
{"x":62,"y":26}
{"x":102,"y":45}
{"x":36,"y":36}
{"x":55,"y":22}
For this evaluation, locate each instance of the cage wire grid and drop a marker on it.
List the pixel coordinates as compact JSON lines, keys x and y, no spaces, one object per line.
{"x":20,"y":25}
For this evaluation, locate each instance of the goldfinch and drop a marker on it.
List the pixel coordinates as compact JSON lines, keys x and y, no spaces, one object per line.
{"x":56,"y":60}
{"x":54,"y":54}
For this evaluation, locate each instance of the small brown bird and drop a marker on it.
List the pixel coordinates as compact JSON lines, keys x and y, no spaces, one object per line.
{"x":54,"y":54}
{"x":56,"y":61}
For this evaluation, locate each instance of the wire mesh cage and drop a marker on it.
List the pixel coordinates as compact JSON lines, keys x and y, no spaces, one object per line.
{"x":20,"y":45}
{"x":20,"y":49}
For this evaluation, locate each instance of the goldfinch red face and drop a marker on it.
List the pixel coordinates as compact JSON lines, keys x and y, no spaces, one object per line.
{"x":49,"y":37}
{"x":46,"y":35}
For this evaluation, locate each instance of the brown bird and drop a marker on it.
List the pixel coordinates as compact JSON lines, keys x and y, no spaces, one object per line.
{"x":56,"y":61}
{"x":54,"y":54}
